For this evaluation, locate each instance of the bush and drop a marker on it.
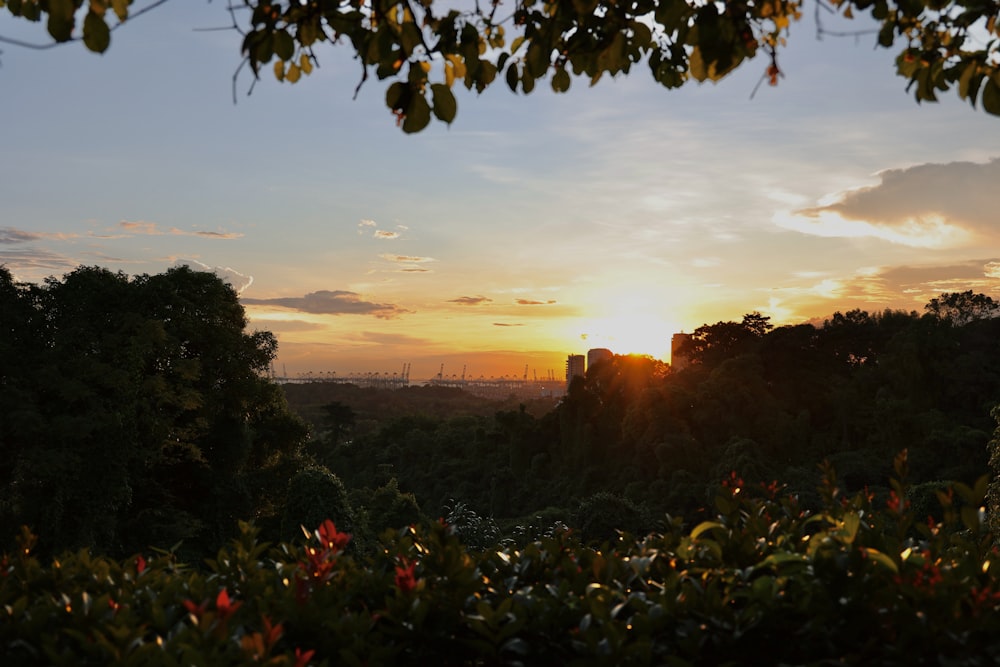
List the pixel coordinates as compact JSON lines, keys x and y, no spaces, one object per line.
{"x":762,"y":582}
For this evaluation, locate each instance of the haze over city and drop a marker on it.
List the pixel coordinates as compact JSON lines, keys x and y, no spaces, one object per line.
{"x":531,"y":228}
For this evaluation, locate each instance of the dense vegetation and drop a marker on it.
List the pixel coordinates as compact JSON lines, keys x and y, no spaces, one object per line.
{"x":135,"y":414}
{"x":764,"y":581}
{"x":635,"y":439}
{"x":134,"y":411}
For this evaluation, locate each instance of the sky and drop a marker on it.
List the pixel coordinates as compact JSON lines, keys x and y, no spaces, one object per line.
{"x":531,"y":228}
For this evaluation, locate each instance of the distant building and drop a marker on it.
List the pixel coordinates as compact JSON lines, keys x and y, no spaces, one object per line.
{"x":598,"y":354}
{"x":677,"y":359}
{"x":575,"y":365}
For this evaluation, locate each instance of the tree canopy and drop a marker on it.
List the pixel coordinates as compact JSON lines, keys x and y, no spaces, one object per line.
{"x":422,"y":48}
{"x":135,"y":410}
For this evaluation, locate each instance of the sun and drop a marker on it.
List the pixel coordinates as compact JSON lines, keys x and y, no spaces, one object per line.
{"x":631,"y":325}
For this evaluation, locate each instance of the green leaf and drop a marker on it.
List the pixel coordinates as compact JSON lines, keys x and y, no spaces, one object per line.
{"x":394,"y":95}
{"x":418,"y":114}
{"x":512,"y":77}
{"x":705,"y":526}
{"x":445,"y":106}
{"x":96,"y":35}
{"x":965,"y":80}
{"x":560,"y":80}
{"x":60,"y":24}
{"x":284,"y":45}
{"x":991,"y":96}
{"x":883,"y":560}
{"x":537,"y":60}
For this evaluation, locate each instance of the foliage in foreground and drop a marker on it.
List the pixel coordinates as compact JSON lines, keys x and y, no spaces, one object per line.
{"x":423,"y":48}
{"x":763,"y":580}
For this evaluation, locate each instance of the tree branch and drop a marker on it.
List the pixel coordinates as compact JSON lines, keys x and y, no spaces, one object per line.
{"x":48,"y":45}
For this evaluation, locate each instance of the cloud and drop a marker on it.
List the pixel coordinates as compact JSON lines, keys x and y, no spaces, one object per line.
{"x":384,"y":234}
{"x":531,"y":302}
{"x":506,"y":324}
{"x":928,"y":205}
{"x":34,"y":263}
{"x":332,"y":302}
{"x":285,"y":325}
{"x":414,"y":269}
{"x":898,"y":287}
{"x":470,"y":300}
{"x":11,"y":236}
{"x":238,"y":280}
{"x":388,"y":338}
{"x":153,"y":229}
{"x":410,"y":259}
{"x":364,"y":225}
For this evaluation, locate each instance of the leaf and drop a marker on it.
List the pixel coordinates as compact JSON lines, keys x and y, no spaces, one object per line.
{"x":696,"y":65}
{"x":96,"y":35}
{"x":294,"y":73}
{"x":512,"y":77}
{"x":60,"y":24}
{"x":418,"y":114}
{"x":284,"y":45}
{"x":394,"y":95}
{"x":279,"y":70}
{"x":560,"y":80}
{"x":121,"y":8}
{"x":705,"y":526}
{"x":991,"y":96}
{"x":445,"y":106}
{"x":883,"y":560}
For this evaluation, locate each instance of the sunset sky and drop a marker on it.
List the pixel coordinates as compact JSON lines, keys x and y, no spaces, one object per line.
{"x":533,"y":227}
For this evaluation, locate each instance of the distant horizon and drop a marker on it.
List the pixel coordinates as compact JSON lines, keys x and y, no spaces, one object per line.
{"x":533,"y":227}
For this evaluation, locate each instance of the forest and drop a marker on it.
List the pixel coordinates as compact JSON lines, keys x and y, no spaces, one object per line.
{"x":163,"y":502}
{"x":137,"y":412}
{"x":636,"y":440}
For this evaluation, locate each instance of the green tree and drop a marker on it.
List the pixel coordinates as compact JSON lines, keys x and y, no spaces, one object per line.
{"x":137,"y":411}
{"x":423,"y":48}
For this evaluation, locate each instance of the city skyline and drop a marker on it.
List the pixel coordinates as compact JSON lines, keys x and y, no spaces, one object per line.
{"x":533,"y":227}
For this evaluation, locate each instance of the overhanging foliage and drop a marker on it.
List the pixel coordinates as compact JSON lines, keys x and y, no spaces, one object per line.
{"x":423,"y":47}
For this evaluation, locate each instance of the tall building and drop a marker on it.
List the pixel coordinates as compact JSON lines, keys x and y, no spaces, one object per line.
{"x":598,"y":354}
{"x":677,"y":359}
{"x":575,"y":365}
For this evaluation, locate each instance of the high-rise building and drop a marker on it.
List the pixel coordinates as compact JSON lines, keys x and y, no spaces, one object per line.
{"x":575,"y":365}
{"x":598,"y":354}
{"x":677,"y":359}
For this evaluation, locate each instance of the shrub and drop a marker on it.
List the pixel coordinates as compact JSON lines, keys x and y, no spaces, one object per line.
{"x":763,"y":581}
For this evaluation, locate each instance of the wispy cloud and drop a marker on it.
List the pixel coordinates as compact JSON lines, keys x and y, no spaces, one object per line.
{"x":11,"y":236}
{"x":385,"y":234}
{"x":383,"y":338}
{"x":898,"y":287}
{"x":365,"y":225}
{"x":532,"y":302}
{"x":414,"y":269}
{"x":267,"y":324}
{"x":141,"y":227}
{"x":238,"y":280}
{"x":407,"y":259}
{"x":332,"y":302}
{"x":470,"y":300}
{"x":34,"y":263}
{"x":508,"y":324}
{"x":928,"y":205}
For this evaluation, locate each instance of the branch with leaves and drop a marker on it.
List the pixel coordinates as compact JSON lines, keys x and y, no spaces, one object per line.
{"x":422,"y":48}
